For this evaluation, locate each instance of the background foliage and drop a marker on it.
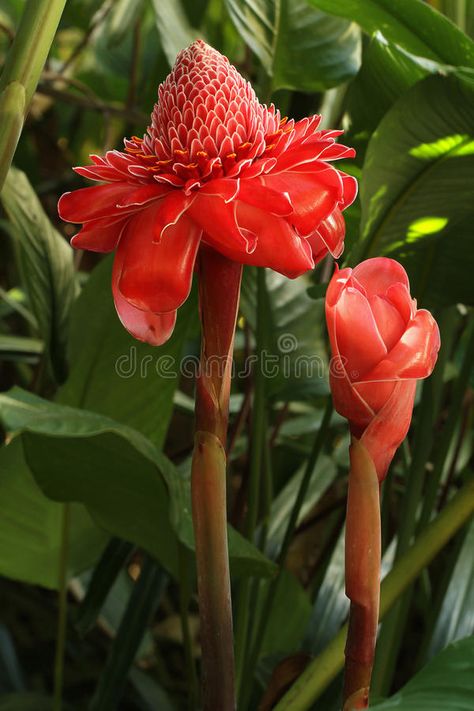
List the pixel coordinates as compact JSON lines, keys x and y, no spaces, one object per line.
{"x":94,"y":471}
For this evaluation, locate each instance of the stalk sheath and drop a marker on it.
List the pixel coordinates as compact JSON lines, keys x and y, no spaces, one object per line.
{"x":219,"y":289}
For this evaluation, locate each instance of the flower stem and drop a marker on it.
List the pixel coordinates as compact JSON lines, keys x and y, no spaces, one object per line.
{"x":23,"y":66}
{"x":363,"y":552}
{"x":325,"y":667}
{"x":219,"y":288}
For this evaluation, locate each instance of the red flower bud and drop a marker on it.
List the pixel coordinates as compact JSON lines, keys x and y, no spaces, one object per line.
{"x":381,"y":345}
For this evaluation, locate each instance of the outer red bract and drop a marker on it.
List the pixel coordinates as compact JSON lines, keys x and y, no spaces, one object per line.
{"x":381,"y":345}
{"x":215,"y":167}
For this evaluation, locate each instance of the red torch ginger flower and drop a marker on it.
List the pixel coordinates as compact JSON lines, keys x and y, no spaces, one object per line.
{"x":381,"y":345}
{"x":217,"y":168}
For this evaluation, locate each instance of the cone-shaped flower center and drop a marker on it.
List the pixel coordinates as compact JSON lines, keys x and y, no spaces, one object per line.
{"x":207,"y":122}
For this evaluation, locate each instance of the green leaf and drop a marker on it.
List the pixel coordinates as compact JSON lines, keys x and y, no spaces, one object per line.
{"x":456,"y":617}
{"x":417,"y":187}
{"x":112,"y":373}
{"x":20,"y":348}
{"x":295,"y":363}
{"x":30,"y":527}
{"x":328,"y":55}
{"x":46,"y":264}
{"x":122,"y":17}
{"x":25,"y":702}
{"x":130,"y":488}
{"x":292,"y":605}
{"x":386,"y":73}
{"x":141,"y":607}
{"x":282,"y":506}
{"x":412,"y":24}
{"x":173,"y":27}
{"x":445,"y":684}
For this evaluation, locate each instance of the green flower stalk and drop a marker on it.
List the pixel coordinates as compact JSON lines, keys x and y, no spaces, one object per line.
{"x":219,"y":288}
{"x":381,"y":345}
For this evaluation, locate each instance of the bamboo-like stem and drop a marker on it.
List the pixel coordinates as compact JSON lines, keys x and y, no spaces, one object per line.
{"x":219,"y":288}
{"x":363,"y":553}
{"x":22,"y":70}
{"x":325,"y":667}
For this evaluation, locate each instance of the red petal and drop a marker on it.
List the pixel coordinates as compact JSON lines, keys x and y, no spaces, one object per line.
{"x":357,"y":335}
{"x":389,"y":322}
{"x":329,"y":237}
{"x":350,"y":188}
{"x":143,"y":325}
{"x":92,"y":203}
{"x":415,"y":354}
{"x":257,"y":194}
{"x":377,"y":274}
{"x":314,"y":196}
{"x":218,"y":220}
{"x":278,"y":246}
{"x":143,"y":194}
{"x":389,"y":427}
{"x":100,"y":235}
{"x":169,"y":211}
{"x":226,"y":188}
{"x":157,"y":277}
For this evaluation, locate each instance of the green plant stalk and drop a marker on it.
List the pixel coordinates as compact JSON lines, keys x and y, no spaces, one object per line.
{"x":325,"y":667}
{"x":219,"y":290}
{"x":22,"y":70}
{"x":62,"y":608}
{"x":392,"y":630}
{"x":256,"y":461}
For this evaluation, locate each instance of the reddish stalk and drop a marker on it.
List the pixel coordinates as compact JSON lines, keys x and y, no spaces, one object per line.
{"x":363,"y":551}
{"x":219,"y":288}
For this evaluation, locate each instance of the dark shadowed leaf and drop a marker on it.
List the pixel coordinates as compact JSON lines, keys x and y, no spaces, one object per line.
{"x":130,"y":488}
{"x":456,"y":617}
{"x":300,"y":47}
{"x":114,"y":374}
{"x":46,"y":264}
{"x":31,"y":524}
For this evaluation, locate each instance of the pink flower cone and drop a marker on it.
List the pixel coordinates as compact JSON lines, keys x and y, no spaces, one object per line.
{"x":217,"y":168}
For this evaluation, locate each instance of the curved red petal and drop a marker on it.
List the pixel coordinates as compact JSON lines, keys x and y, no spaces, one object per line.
{"x":142,"y":195}
{"x":350,"y":189}
{"x":226,"y":188}
{"x":169,"y":211}
{"x":157,"y":276}
{"x":329,"y":237}
{"x":218,"y":220}
{"x":92,"y":203}
{"x":100,"y":235}
{"x":389,"y":427}
{"x":358,"y":339}
{"x":415,"y":354}
{"x":146,"y":326}
{"x":253,"y":192}
{"x":314,"y":196}
{"x":377,"y":274}
{"x":278,"y":246}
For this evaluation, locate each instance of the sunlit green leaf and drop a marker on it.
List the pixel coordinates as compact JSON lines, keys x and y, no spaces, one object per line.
{"x":416,"y":187}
